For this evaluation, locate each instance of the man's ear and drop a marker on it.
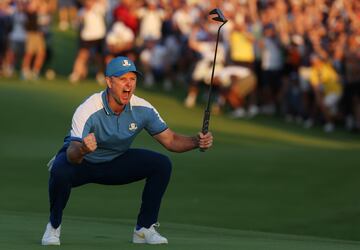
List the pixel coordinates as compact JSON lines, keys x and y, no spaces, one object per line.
{"x":108,"y":82}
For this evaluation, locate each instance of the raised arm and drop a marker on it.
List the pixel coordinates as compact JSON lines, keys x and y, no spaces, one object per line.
{"x":181,"y":143}
{"x":77,"y":150}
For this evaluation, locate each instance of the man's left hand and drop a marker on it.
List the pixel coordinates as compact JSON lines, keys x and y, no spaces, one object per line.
{"x":205,"y":140}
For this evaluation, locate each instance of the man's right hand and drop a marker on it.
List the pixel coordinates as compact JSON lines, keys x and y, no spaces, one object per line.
{"x":77,"y":150}
{"x":89,"y":144}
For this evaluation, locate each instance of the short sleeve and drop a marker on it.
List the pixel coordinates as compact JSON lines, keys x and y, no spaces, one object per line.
{"x":155,"y":124}
{"x":80,"y":125}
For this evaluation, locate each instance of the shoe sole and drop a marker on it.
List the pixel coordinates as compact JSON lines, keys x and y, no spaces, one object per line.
{"x":138,"y":240}
{"x":153,"y":243}
{"x":44,"y":243}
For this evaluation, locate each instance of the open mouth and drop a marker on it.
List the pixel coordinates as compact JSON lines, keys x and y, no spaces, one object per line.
{"x":126,"y":94}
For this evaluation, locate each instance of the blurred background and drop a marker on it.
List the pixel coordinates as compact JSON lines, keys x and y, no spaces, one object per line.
{"x":297,"y":59}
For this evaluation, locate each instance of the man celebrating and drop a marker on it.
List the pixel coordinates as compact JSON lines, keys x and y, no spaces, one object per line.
{"x":97,"y":150}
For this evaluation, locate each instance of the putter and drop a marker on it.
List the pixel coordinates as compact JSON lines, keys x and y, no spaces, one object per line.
{"x":219,"y":18}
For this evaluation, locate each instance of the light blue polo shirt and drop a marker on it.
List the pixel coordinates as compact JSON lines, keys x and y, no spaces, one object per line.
{"x":114,"y":133}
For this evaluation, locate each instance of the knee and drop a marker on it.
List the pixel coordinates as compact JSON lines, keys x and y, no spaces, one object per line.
{"x":164,"y":165}
{"x":60,"y":174}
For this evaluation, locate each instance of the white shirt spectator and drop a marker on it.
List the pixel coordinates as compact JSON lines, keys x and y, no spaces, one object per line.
{"x":202,"y":70}
{"x":119,"y":35}
{"x":227,"y":72}
{"x":151,"y":23}
{"x":94,"y":26}
{"x":184,"y":19}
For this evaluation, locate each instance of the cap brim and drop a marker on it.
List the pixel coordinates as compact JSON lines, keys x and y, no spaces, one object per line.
{"x":120,"y":73}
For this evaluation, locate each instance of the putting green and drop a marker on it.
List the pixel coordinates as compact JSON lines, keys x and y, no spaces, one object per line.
{"x":24,"y":231}
{"x":262,"y":175}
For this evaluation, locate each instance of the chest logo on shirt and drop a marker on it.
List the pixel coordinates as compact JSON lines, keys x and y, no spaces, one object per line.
{"x":132,"y":126}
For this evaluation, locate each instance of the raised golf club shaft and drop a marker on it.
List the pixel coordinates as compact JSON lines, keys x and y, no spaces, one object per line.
{"x":206,"y":120}
{"x":219,"y":18}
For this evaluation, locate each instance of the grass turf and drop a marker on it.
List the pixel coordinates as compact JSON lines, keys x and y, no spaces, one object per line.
{"x":264,"y":185}
{"x":100,"y":233}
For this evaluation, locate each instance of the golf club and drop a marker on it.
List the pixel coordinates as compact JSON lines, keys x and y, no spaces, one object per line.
{"x":219,"y":18}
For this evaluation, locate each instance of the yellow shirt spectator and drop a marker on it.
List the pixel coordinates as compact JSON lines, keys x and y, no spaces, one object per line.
{"x":241,"y":47}
{"x":326,"y":76}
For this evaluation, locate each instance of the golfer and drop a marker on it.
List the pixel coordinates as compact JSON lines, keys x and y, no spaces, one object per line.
{"x":97,"y":150}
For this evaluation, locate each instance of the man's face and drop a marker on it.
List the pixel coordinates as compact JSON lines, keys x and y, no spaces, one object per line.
{"x":122,"y":87}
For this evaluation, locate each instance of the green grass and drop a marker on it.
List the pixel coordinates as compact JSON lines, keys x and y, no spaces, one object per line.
{"x":100,"y":233}
{"x":264,"y":185}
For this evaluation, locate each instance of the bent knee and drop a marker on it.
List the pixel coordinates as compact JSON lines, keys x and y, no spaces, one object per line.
{"x":164,"y":165}
{"x":60,"y":174}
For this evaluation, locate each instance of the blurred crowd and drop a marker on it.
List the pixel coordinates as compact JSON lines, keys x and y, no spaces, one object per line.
{"x":298,"y":59}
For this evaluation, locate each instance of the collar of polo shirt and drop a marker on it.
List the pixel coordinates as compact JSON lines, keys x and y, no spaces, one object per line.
{"x":107,"y":108}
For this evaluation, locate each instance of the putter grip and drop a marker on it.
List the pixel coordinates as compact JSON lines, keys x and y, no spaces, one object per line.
{"x":205,"y":126}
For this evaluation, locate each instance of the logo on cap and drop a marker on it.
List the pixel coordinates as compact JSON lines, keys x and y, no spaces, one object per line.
{"x":126,"y":63}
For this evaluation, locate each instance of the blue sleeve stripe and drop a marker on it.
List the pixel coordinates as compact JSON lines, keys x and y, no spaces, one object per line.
{"x":72,"y":138}
{"x":69,"y":139}
{"x":166,"y":127}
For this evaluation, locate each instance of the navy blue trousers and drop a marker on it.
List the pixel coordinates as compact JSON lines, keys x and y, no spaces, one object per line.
{"x":133,"y":165}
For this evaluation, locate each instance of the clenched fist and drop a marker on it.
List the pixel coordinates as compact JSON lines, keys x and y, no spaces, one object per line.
{"x":89,"y":143}
{"x":205,"y":140}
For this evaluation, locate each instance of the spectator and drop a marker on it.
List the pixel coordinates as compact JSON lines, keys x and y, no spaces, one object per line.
{"x":176,"y":44}
{"x":242,"y":53}
{"x":238,"y":83}
{"x":5,"y":28}
{"x":120,"y":40}
{"x":202,"y":42}
{"x":272,"y":66}
{"x":151,"y":18}
{"x":327,"y":89}
{"x":35,"y":45}
{"x":16,"y":39}
{"x":45,"y":16}
{"x":67,"y":14}
{"x":126,"y":13}
{"x":155,"y":62}
{"x":184,"y":19}
{"x":92,"y":35}
{"x":352,"y":83}
{"x":241,"y":44}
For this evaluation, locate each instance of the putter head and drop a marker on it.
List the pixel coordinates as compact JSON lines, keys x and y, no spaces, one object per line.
{"x":219,"y":15}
